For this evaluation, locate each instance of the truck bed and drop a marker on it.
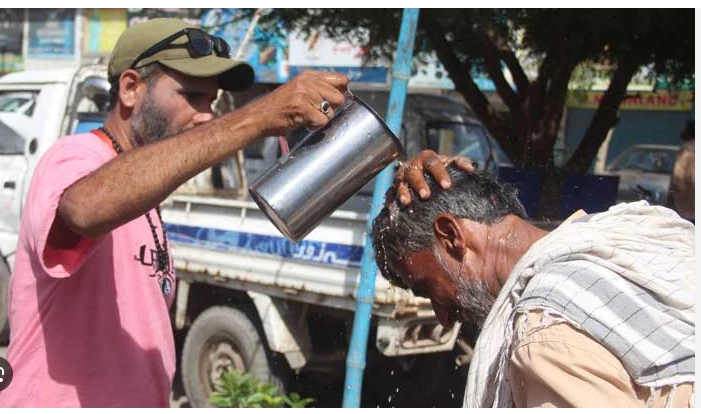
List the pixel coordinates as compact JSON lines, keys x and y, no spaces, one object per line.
{"x":222,"y":240}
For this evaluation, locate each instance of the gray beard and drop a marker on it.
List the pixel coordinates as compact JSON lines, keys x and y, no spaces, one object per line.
{"x":149,"y":123}
{"x":473,"y":296}
{"x":475,"y":301}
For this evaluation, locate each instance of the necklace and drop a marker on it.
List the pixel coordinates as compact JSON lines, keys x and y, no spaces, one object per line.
{"x":161,"y":251}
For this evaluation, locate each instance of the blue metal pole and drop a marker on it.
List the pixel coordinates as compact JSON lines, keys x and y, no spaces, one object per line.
{"x":355,"y":362}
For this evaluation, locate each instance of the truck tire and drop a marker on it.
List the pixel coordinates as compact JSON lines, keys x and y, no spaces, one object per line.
{"x":4,"y":302}
{"x":222,"y":338}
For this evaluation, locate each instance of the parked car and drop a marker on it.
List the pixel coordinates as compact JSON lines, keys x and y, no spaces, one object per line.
{"x":644,"y":172}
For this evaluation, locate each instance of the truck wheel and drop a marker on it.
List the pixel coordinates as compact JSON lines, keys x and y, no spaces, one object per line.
{"x":222,"y":339}
{"x":4,"y":302}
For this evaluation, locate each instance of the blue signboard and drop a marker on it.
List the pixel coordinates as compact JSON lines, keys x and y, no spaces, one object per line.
{"x":51,"y":32}
{"x":266,"y":49}
{"x":368,"y":74}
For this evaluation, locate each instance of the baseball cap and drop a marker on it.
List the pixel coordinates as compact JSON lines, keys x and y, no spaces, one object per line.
{"x":234,"y":75}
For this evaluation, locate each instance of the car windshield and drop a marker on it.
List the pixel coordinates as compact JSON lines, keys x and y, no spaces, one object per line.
{"x":652,"y":160}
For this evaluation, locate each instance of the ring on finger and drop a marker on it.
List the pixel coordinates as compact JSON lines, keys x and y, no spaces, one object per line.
{"x":325,"y":106}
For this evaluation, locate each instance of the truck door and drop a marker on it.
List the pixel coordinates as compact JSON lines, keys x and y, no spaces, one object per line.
{"x":17,"y":127}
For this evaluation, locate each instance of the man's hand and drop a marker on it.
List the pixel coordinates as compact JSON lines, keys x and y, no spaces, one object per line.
{"x":410,"y":174}
{"x":298,"y":103}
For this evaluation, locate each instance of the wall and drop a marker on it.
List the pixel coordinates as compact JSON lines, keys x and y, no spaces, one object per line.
{"x":645,"y":118}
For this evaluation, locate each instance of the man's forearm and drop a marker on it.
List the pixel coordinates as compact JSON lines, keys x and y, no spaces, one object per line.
{"x":140,"y":179}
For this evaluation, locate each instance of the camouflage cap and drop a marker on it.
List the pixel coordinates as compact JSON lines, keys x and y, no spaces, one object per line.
{"x":234,"y":75}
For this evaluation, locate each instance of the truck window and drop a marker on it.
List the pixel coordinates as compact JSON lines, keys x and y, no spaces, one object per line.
{"x":22,"y":102}
{"x":90,"y":105}
{"x":11,"y":143}
{"x":16,"y":109}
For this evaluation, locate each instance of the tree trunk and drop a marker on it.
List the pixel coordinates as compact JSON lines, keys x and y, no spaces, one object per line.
{"x":550,"y":194}
{"x":548,"y":124}
{"x":604,"y":119}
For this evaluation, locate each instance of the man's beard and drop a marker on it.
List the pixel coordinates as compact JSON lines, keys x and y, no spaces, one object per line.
{"x":473,"y":296}
{"x":149,"y":123}
{"x":475,"y":300}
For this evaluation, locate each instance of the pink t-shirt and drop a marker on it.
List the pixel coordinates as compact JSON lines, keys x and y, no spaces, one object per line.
{"x":90,"y":325}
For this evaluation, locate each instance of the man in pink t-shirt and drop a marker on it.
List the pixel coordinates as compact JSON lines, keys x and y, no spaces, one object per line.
{"x":90,"y":323}
{"x":93,"y":276}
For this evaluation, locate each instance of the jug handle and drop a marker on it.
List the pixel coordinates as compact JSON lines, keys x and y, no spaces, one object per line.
{"x":349,"y":98}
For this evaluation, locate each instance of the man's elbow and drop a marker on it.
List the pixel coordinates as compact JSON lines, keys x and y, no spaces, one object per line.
{"x":78,"y":216}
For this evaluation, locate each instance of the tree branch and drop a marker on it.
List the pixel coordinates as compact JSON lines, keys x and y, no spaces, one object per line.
{"x":517,"y":73}
{"x":507,"y":94}
{"x":556,"y":97}
{"x":538,"y":89}
{"x":460,"y":75}
{"x":514,"y":66}
{"x":604,"y":119}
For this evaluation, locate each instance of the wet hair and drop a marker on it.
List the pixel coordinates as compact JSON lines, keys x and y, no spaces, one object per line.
{"x":399,"y":231}
{"x":149,"y":73}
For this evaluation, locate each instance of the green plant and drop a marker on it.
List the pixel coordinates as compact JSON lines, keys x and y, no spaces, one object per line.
{"x":236,"y":390}
{"x":293,"y":400}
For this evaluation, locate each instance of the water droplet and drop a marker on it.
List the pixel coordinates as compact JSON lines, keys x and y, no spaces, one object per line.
{"x":397,"y":390}
{"x":452,"y":395}
{"x":389,"y":399}
{"x":391,"y":372}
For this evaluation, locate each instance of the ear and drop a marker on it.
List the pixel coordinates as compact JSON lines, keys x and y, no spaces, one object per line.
{"x":450,"y":235}
{"x":128,"y":88}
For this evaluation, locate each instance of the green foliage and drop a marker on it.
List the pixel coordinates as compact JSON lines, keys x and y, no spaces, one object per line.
{"x":295,"y":401}
{"x":663,"y":38}
{"x":236,"y":390}
{"x":544,"y":51}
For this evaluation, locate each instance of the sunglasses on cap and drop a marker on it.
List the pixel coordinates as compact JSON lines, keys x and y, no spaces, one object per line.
{"x":199,"y":44}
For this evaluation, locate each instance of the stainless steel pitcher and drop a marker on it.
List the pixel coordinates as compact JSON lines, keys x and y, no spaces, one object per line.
{"x":325,"y":169}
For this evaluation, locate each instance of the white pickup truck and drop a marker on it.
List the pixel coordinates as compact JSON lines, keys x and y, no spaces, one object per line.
{"x":247,"y":297}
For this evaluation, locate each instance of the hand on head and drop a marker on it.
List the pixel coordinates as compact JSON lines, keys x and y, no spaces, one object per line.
{"x":411,"y":174}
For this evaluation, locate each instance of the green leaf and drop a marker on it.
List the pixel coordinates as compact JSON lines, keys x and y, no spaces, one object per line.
{"x":241,"y":390}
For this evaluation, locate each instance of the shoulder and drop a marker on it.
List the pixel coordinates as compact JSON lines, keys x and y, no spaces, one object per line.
{"x":555,"y":364}
{"x":76,"y":147}
{"x":86,"y":142}
{"x":545,"y":338}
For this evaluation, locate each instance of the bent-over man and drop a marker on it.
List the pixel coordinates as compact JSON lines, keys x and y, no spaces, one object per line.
{"x":600,"y":312}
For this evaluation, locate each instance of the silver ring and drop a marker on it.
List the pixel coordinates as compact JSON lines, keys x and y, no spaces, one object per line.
{"x":325,"y":106}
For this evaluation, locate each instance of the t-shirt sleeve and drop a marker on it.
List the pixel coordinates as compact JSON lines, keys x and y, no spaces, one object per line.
{"x":70,"y":160}
{"x":560,"y":366}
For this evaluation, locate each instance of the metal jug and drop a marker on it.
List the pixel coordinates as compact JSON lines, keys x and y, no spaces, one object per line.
{"x":325,"y":169}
